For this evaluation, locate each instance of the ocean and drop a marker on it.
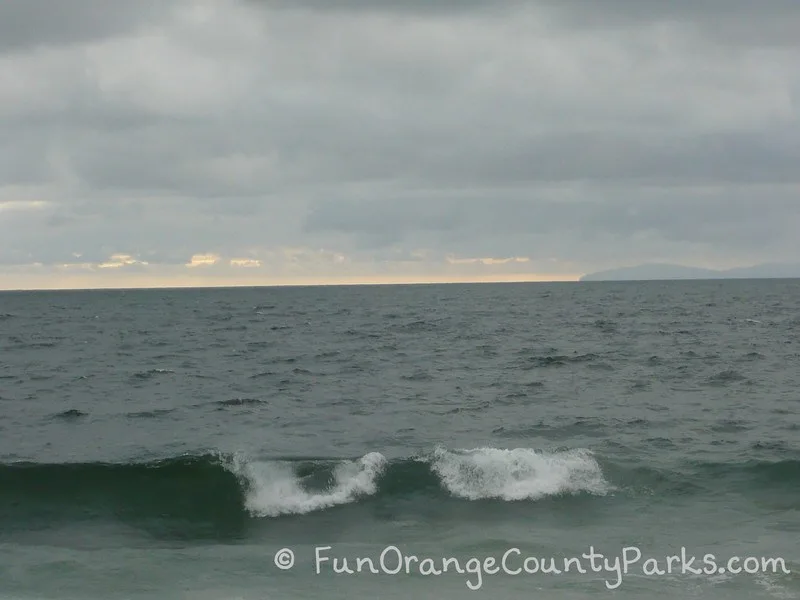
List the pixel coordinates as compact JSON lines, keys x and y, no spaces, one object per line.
{"x":431,"y":441}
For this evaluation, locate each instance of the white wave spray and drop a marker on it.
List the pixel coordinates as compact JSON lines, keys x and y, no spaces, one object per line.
{"x":273,"y":488}
{"x":519,"y":474}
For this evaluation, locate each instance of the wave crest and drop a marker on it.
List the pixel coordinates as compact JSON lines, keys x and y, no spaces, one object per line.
{"x":216,"y":492}
{"x":277,"y":488}
{"x":519,"y":474}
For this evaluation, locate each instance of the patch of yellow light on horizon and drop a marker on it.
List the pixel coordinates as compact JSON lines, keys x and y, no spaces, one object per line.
{"x":120,"y":260}
{"x":245,"y":262}
{"x":90,"y":278}
{"x":489,"y":261}
{"x":203,"y":260}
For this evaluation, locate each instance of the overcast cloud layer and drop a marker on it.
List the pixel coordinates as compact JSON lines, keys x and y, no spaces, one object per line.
{"x":300,"y":141}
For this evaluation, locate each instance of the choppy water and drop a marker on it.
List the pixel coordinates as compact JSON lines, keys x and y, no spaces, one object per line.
{"x":166,"y":444}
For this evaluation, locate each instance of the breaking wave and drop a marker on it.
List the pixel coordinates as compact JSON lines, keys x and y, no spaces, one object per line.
{"x":276,"y":488}
{"x":519,"y":474}
{"x":225,"y":489}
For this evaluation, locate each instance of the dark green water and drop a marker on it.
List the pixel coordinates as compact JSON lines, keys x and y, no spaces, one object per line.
{"x":167,"y":444}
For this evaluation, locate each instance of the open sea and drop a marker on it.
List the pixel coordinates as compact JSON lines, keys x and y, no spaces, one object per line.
{"x":195,"y":444}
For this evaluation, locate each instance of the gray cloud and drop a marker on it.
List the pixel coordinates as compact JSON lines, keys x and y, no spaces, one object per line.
{"x":41,"y":23}
{"x":732,"y":22}
{"x":406,"y":135}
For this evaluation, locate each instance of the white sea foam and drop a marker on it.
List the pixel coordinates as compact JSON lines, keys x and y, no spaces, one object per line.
{"x":273,"y":487}
{"x":519,"y":474}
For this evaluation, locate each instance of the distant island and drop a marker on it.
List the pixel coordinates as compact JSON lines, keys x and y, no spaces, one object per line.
{"x":666,"y":272}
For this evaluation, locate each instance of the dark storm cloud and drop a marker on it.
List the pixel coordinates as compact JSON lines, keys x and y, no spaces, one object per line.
{"x":733,"y":21}
{"x":26,"y":24}
{"x":408,"y":7}
{"x":611,"y":10}
{"x":666,"y":159}
{"x":754,"y":218}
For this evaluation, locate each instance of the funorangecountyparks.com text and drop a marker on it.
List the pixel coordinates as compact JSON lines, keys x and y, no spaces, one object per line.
{"x":514,"y":562}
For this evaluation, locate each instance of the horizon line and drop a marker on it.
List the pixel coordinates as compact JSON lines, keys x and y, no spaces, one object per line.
{"x":377,"y":284}
{"x":206,"y":286}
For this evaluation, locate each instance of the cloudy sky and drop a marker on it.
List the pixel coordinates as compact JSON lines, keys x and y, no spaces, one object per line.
{"x":315,"y":141}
